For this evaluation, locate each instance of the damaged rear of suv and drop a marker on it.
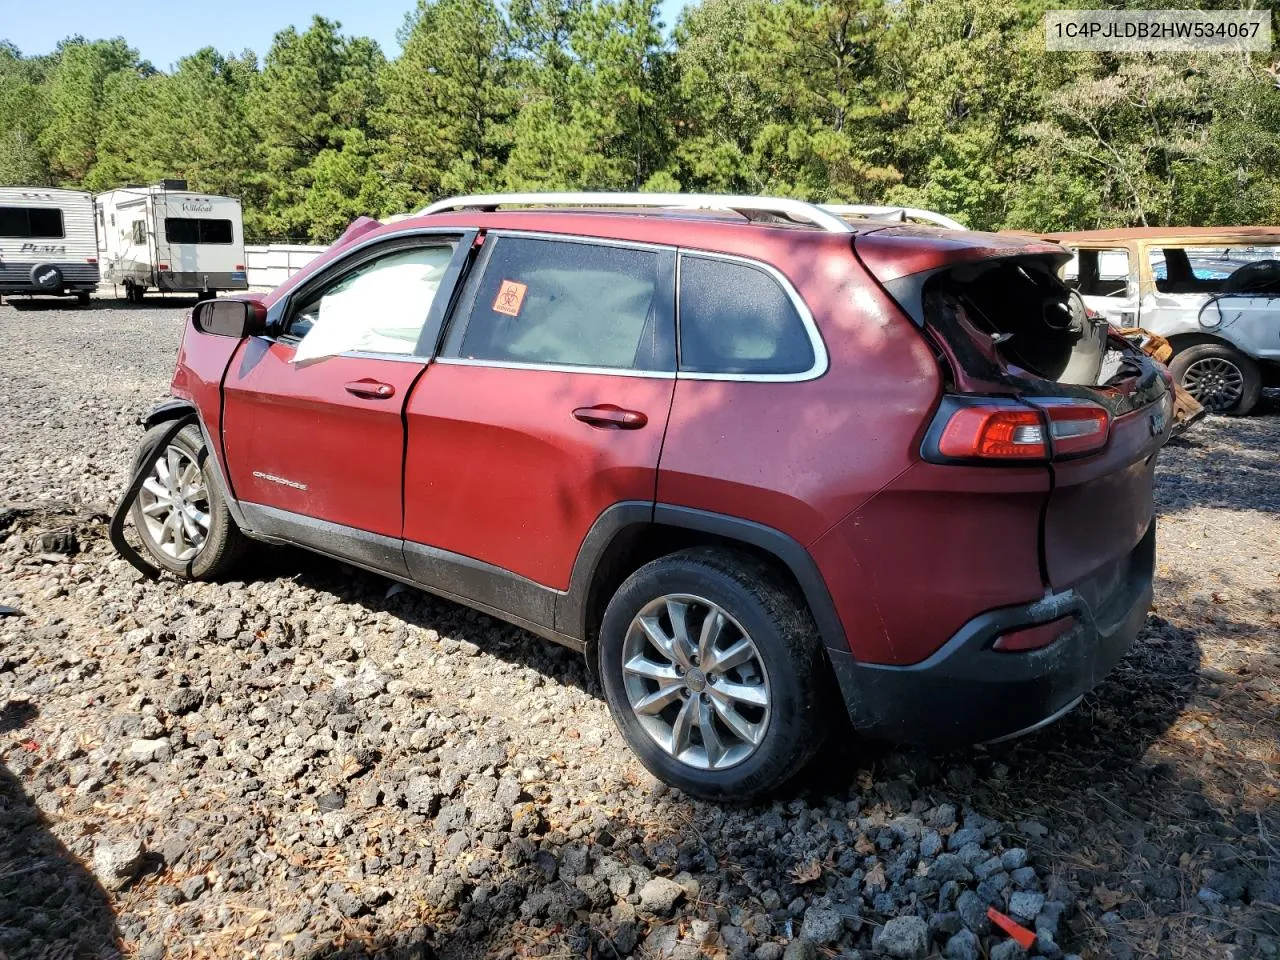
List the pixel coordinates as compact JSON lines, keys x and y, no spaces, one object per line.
{"x":1044,"y":441}
{"x":742,"y":453}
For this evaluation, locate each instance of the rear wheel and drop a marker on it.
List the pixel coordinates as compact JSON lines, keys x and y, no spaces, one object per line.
{"x":713,"y":673}
{"x":182,"y":520}
{"x":1220,"y":377}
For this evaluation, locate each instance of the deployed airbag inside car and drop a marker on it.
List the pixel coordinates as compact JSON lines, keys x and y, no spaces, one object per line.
{"x":380,"y":308}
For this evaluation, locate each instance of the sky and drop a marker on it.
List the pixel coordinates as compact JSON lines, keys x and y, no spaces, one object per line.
{"x":162,"y":31}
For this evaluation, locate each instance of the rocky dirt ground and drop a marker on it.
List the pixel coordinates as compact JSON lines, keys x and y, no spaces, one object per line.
{"x":315,"y":763}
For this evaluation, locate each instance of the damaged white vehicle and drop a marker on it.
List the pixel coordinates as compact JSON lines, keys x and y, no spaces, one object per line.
{"x":1212,"y":292}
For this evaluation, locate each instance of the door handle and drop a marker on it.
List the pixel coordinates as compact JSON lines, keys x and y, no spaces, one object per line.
{"x":610,"y":417}
{"x":371,"y":389}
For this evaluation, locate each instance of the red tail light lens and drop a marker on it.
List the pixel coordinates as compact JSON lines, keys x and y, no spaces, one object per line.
{"x":90,"y":259}
{"x":999,"y":431}
{"x":1076,"y":427}
{"x":239,"y":266}
{"x":162,"y":266}
{"x":971,"y":428}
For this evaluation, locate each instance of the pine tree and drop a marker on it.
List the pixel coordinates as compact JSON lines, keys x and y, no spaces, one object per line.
{"x":446,"y":102}
{"x":315,"y":95}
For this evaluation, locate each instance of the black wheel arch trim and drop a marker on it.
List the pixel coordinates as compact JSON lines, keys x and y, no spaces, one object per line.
{"x":572,"y":606}
{"x":176,"y":407}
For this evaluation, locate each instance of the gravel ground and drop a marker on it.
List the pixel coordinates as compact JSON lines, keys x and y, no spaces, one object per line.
{"x":316,"y":763}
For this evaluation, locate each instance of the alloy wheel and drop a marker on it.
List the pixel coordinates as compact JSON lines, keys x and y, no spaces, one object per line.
{"x":696,"y":682}
{"x":1216,"y":382}
{"x":175,"y":505}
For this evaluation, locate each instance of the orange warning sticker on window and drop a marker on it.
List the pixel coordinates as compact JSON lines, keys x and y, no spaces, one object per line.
{"x":510,"y":298}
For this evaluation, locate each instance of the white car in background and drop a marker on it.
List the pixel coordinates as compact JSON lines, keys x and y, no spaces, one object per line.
{"x":1212,"y":292}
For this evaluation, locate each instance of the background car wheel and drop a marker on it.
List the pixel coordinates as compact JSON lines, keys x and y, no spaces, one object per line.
{"x":183,"y":522}
{"x":1220,"y":377}
{"x":713,"y":671}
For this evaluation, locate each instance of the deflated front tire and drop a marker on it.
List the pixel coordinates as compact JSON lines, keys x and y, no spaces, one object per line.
{"x":181,"y":518}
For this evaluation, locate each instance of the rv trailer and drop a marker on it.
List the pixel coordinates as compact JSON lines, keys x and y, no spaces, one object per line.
{"x":165,"y":237}
{"x":47,"y":242}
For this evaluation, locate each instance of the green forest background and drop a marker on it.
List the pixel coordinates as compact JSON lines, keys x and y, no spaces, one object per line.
{"x":949,"y":104}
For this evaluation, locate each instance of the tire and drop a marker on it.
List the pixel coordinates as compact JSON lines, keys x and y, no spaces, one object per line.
{"x":46,"y":278}
{"x":82,"y":298}
{"x":788,"y":667}
{"x":223,"y":545}
{"x":1219,"y":376}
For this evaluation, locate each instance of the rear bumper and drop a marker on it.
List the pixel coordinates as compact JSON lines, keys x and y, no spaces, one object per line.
{"x":969,"y":693}
{"x":177,"y":282}
{"x":68,"y":286}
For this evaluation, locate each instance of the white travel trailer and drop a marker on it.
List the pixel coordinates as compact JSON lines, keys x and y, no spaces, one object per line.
{"x":164,"y":237}
{"x":47,"y":242}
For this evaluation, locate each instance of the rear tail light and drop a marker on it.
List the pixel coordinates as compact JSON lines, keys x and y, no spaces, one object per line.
{"x":1033,"y":638}
{"x":997,"y":432}
{"x":162,"y":266}
{"x":239,"y":266}
{"x":90,"y":259}
{"x":1076,"y":427}
{"x":1006,"y":430}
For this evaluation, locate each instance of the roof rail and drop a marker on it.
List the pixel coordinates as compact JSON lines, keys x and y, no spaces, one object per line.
{"x":900,"y":214}
{"x":747,"y":207}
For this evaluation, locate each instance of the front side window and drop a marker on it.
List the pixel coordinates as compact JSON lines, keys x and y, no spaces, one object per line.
{"x":1098,"y":273}
{"x":565,"y":303}
{"x":380,"y":306}
{"x":192,"y":230}
{"x":736,"y":318}
{"x":31,"y":223}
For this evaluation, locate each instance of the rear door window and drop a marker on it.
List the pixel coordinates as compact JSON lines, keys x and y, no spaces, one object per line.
{"x":736,"y":319}
{"x":1204,"y":269}
{"x":567,"y":303}
{"x":31,"y":223}
{"x":192,"y":230}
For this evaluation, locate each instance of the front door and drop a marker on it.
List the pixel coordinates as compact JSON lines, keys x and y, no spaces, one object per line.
{"x":547,"y":405}
{"x":313,"y":417}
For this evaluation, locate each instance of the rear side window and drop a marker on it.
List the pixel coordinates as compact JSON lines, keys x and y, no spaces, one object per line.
{"x":565,"y":304}
{"x":736,"y":318}
{"x":191,"y":230}
{"x":31,"y":223}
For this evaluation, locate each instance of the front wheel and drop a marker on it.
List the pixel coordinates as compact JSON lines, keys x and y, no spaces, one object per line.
{"x":182,"y":520}
{"x":1220,"y":377}
{"x":714,"y":674}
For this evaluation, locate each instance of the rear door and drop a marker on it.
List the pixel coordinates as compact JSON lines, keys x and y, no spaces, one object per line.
{"x":546,"y":406}
{"x":313,"y":416}
{"x":199,"y":241}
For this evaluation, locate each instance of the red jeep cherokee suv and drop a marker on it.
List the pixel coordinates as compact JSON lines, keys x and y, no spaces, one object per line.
{"x":744,"y":453}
